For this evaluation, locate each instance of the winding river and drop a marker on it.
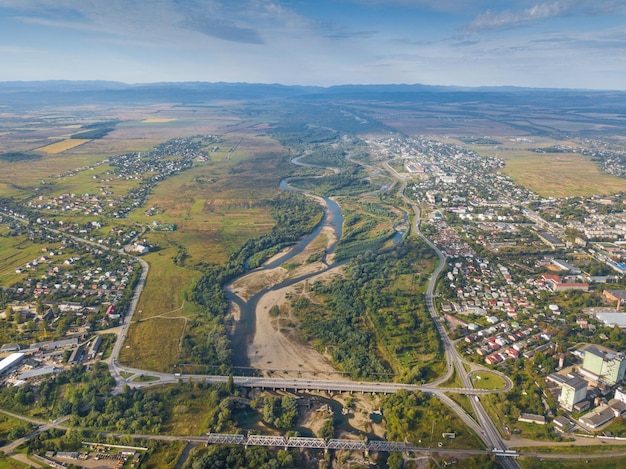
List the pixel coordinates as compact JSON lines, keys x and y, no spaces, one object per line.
{"x":244,"y":330}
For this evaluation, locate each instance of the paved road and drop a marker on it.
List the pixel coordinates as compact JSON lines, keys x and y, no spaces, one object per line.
{"x":121,"y":336}
{"x":487,"y":431}
{"x":9,"y":449}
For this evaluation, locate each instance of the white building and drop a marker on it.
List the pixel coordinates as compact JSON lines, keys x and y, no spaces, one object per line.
{"x":10,"y":362}
{"x":608,"y":367}
{"x":573,"y":391}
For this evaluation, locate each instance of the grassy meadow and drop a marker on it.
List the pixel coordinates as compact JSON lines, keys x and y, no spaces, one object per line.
{"x":16,"y":251}
{"x":548,"y":174}
{"x":559,"y":174}
{"x":487,"y":380}
{"x":216,"y":206}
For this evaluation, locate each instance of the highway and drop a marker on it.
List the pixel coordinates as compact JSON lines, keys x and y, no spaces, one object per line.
{"x":292,"y":384}
{"x":119,"y":342}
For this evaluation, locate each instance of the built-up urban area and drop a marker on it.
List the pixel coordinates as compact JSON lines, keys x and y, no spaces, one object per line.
{"x":527,"y":277}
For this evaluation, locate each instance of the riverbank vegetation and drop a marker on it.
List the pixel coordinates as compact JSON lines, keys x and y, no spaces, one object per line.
{"x":368,"y":320}
{"x":368,"y":225}
{"x":350,"y":181}
{"x":217,"y":212}
{"x":206,"y":343}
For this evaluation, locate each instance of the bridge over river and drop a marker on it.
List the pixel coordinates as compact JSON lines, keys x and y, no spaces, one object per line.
{"x":350,"y":445}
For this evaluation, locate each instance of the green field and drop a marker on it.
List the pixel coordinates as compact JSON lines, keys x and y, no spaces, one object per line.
{"x":487,"y":380}
{"x":215,"y":209}
{"x":559,"y":174}
{"x":8,"y":463}
{"x":576,"y":463}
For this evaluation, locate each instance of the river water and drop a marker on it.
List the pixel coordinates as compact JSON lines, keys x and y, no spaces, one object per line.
{"x":244,"y":329}
{"x":243,"y":332}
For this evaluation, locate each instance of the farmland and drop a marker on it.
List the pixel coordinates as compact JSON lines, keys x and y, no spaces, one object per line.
{"x":64,"y":145}
{"x":559,"y":175}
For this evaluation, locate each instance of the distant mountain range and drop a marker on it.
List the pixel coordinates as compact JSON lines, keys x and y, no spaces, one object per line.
{"x":37,"y":93}
{"x":259,"y":88}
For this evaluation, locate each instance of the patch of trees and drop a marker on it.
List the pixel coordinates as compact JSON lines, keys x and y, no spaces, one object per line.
{"x":295,"y":134}
{"x":326,"y":156}
{"x":296,"y":126}
{"x":236,"y":457}
{"x":480,"y":141}
{"x":350,"y":181}
{"x":14,"y":156}
{"x":328,"y":429}
{"x":133,"y":411}
{"x":96,"y":130}
{"x":421,"y":419}
{"x":85,"y":394}
{"x":281,"y":412}
{"x":352,"y":245}
{"x":374,"y":321}
{"x":339,"y":326}
{"x":206,"y":343}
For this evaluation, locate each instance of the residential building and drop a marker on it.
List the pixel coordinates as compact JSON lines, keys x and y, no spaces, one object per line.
{"x":608,"y":367}
{"x":573,"y":391}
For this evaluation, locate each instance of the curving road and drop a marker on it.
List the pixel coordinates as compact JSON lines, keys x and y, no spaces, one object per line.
{"x":487,"y":430}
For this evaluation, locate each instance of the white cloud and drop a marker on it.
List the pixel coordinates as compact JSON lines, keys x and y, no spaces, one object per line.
{"x":508,"y":18}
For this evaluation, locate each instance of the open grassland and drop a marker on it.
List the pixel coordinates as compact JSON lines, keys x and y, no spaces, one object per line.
{"x":165,"y":455}
{"x":167,"y":286}
{"x":64,"y":145}
{"x":155,"y":336}
{"x":575,"y":463}
{"x":155,"y":344}
{"x":190,"y":415}
{"x":15,"y":252}
{"x":22,"y":179}
{"x":487,"y":380}
{"x":216,"y":206}
{"x":559,"y":174}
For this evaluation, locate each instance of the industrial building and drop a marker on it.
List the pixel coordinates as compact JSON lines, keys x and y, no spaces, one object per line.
{"x":10,"y":362}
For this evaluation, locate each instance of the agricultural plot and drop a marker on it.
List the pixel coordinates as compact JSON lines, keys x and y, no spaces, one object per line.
{"x":64,"y":145}
{"x":15,"y":251}
{"x":560,"y":174}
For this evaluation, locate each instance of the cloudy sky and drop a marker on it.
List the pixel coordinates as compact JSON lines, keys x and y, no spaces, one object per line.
{"x":562,"y":43}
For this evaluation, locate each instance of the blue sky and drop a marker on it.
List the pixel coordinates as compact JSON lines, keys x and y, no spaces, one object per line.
{"x":562,"y":43}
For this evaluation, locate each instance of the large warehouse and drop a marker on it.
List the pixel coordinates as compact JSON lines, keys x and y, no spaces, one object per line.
{"x":9,"y":362}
